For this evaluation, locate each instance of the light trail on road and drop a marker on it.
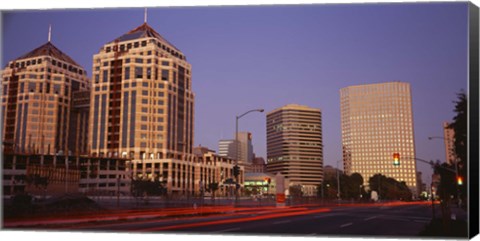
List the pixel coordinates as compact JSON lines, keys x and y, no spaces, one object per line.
{"x":236,"y":220}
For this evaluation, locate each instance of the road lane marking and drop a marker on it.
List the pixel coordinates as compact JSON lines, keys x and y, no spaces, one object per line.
{"x":280,"y":222}
{"x":345,"y":225}
{"x":228,"y":230}
{"x":370,"y":218}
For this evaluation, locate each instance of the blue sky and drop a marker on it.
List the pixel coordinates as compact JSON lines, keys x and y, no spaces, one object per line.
{"x":251,"y":57}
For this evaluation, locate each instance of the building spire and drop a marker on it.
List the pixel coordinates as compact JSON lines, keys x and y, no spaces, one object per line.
{"x":145,"y":16}
{"x":49,"y":32}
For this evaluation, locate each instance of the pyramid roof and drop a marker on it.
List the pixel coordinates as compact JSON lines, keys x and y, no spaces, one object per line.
{"x":143,"y":31}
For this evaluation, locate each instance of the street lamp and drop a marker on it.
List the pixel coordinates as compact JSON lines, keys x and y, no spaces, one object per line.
{"x":236,"y":148}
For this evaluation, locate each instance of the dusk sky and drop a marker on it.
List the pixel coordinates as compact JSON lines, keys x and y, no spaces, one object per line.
{"x":268,"y":56}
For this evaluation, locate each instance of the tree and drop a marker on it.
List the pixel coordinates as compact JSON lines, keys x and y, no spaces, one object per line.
{"x":145,"y":187}
{"x":459,"y":126}
{"x":350,"y":186}
{"x":213,"y":187}
{"x":389,"y":189}
{"x":357,"y":184}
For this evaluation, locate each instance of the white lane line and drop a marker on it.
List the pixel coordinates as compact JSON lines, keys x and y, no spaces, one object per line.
{"x":228,"y":230}
{"x":280,"y":222}
{"x":345,"y":225}
{"x":370,"y":218}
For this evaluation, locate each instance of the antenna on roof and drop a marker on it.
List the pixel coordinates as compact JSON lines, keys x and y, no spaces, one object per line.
{"x":49,"y":32}
{"x":145,"y":16}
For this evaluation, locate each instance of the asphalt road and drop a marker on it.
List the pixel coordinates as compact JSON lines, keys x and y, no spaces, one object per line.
{"x":406,"y":220}
{"x":341,"y":221}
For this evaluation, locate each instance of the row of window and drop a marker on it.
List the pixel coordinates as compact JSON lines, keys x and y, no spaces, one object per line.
{"x":69,"y":67}
{"x":128,"y":46}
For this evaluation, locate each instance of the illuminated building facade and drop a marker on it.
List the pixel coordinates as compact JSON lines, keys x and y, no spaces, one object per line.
{"x":377,"y":121}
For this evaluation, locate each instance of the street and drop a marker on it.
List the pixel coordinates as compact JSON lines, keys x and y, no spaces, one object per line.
{"x":384,"y":219}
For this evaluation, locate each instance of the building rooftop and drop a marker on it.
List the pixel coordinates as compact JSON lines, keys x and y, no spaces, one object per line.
{"x":143,"y":31}
{"x":294,"y":107}
{"x":48,"y":49}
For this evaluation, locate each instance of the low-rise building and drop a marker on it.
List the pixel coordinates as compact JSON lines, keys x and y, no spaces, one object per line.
{"x":212,"y":168}
{"x":47,"y":175}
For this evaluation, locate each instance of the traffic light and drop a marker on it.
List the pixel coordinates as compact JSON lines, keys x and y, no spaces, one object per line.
{"x":236,"y":170}
{"x":460,"y":180}
{"x":396,"y":159}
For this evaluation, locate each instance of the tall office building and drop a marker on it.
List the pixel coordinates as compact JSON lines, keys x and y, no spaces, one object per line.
{"x":376,"y":122}
{"x":294,"y":145}
{"x":142,"y":107}
{"x":37,"y":102}
{"x":449,"y":140}
{"x":228,"y":148}
{"x":245,"y":154}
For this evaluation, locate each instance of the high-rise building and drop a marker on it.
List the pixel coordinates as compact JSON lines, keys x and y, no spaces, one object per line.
{"x":245,"y":154}
{"x":294,"y":145}
{"x":377,"y":122}
{"x":449,"y":139}
{"x":142,"y":107}
{"x":37,"y":105}
{"x":228,"y":148}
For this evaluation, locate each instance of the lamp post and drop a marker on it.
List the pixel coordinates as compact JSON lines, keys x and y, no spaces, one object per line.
{"x":237,"y":151}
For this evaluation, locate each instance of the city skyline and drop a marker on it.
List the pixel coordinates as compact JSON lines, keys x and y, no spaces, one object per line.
{"x":208,"y":41}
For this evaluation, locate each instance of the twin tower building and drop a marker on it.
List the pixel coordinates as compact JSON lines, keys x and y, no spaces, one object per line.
{"x":139,"y":105}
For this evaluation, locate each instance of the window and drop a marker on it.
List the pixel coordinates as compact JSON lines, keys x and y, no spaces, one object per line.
{"x":105,"y":76}
{"x":165,"y":63}
{"x":138,"y":72}
{"x":149,"y":73}
{"x":164,"y":74}
{"x":139,"y":60}
{"x":145,"y":92}
{"x":127,"y":73}
{"x":31,"y":87}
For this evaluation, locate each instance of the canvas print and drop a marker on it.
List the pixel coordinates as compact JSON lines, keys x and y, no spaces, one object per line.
{"x":307,"y":120}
